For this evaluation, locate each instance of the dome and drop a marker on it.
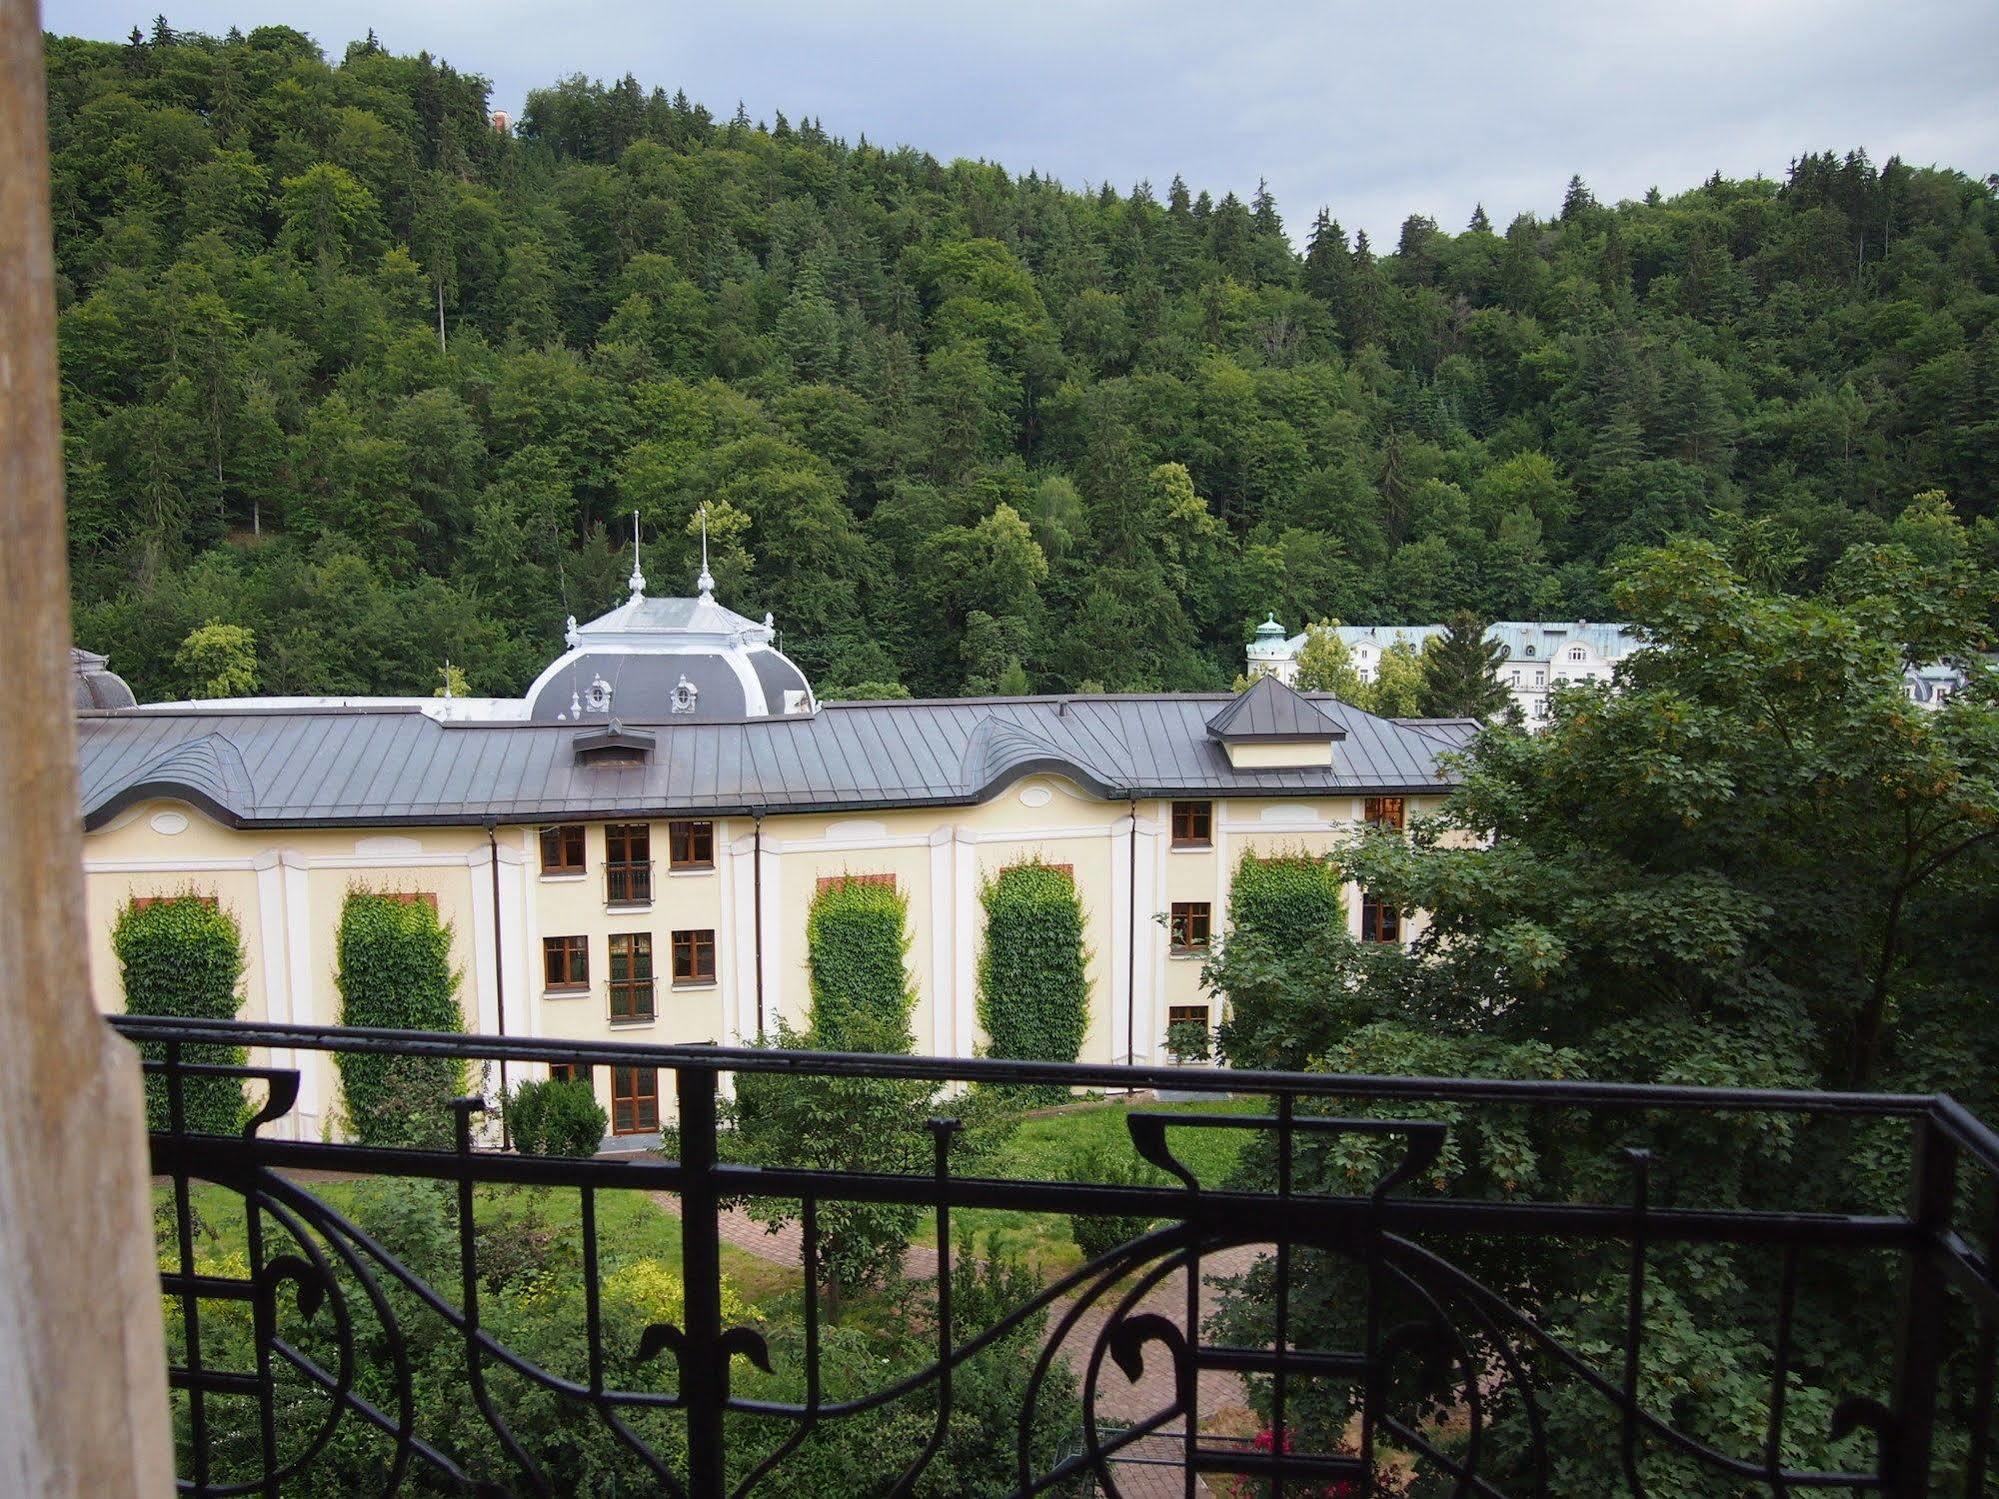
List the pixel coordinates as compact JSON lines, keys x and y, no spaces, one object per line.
{"x":670,"y":660}
{"x":94,"y":684}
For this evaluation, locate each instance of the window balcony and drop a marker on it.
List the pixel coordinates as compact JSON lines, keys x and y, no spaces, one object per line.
{"x":329,"y":1337}
{"x":628,"y":884}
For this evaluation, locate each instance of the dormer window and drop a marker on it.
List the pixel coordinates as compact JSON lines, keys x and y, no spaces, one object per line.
{"x":685,"y":694}
{"x":1530,"y":650}
{"x":598,"y":698}
{"x":613,"y":746}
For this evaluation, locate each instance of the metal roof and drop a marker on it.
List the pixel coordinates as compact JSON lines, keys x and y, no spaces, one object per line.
{"x":1269,"y":709}
{"x":291,"y":767}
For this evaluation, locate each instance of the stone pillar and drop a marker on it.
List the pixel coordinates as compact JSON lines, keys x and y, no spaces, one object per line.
{"x":83,"y":1396}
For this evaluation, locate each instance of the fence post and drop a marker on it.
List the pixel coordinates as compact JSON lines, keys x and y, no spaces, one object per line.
{"x":1920,"y":1333}
{"x":705,"y":1373}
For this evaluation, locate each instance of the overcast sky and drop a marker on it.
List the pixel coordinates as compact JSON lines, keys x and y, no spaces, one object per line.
{"x":1376,"y":110}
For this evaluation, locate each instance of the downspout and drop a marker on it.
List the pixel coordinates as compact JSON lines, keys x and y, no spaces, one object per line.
{"x":757,"y":911}
{"x":1131,"y":940}
{"x":499,"y":979}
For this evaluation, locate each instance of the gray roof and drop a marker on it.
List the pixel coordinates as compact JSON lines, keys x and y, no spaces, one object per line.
{"x":1270,"y":710}
{"x":289,"y":767}
{"x":94,"y":684}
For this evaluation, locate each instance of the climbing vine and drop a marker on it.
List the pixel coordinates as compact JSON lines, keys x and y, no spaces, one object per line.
{"x":857,"y":940}
{"x":183,"y":955}
{"x":1286,"y":899}
{"x":394,"y":972}
{"x":1033,"y":991}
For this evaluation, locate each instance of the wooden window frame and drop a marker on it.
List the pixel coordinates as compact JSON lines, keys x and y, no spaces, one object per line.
{"x":142,"y":902}
{"x":1194,"y":824}
{"x":834,"y":881}
{"x":690,"y":945}
{"x":568,"y":956}
{"x":628,"y":863}
{"x":633,"y":1091}
{"x":686,"y":840}
{"x":1390,"y":812}
{"x":1190,"y":927}
{"x":1379,"y":921}
{"x":633,"y":986}
{"x":564,"y":839}
{"x":1200,"y":1015}
{"x":567,"y":1072}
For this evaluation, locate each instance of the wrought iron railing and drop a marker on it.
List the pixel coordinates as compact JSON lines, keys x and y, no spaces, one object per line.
{"x":628,"y":882}
{"x":270,"y":1422}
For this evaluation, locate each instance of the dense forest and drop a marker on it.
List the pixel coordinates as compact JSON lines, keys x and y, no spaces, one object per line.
{"x":349,"y":368}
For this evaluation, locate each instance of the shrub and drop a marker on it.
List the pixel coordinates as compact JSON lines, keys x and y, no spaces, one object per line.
{"x":1100,"y":1233}
{"x":1286,"y":900}
{"x":556,"y":1116}
{"x":394,"y":971}
{"x":1188,"y":1041}
{"x":1033,"y":991}
{"x":184,"y":956}
{"x":857,"y":942}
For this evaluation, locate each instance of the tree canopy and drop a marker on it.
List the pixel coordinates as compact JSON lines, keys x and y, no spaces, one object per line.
{"x":349,"y":369}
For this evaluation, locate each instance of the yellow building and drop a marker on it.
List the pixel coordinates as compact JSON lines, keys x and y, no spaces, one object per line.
{"x":630,"y":849}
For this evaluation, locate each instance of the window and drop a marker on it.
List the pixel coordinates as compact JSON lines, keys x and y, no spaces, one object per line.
{"x":1382,"y":812}
{"x":1187,"y":1015}
{"x":1513,"y":678}
{"x":562,"y":849}
{"x":1187,"y":926}
{"x":565,"y":962}
{"x":1379,"y":921}
{"x":690,"y":845}
{"x":694,"y":956}
{"x":628,"y":864}
{"x":567,"y":1072}
{"x":1193,"y":824}
{"x":1577,"y":653}
{"x":631,"y":976}
{"x":634,"y":1100}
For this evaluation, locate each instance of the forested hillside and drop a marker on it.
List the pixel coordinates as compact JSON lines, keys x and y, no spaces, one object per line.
{"x":347,"y":367}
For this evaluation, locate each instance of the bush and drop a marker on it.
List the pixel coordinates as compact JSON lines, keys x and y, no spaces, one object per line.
{"x":1188,"y":1041}
{"x":857,"y":943}
{"x":1033,"y":990}
{"x":184,"y":956}
{"x":1286,"y":900}
{"x":394,"y":971}
{"x":556,"y":1116}
{"x":1100,"y":1233}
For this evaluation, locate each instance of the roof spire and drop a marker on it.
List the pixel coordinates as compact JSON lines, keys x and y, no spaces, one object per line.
{"x":705,"y":584}
{"x":637,"y":581}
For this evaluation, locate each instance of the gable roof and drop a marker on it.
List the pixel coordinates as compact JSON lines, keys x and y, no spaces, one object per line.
{"x":1269,"y":710}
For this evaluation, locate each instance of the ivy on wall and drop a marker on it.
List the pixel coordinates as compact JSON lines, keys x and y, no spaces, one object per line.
{"x":857,"y":944}
{"x":394,"y":972}
{"x":1286,"y":899}
{"x":1033,"y":992}
{"x":183,"y":955}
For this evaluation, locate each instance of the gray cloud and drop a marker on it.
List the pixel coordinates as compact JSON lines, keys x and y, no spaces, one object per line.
{"x":1375,"y":110}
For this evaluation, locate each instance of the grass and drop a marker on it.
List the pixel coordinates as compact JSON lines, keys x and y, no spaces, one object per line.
{"x":1046,"y":1144}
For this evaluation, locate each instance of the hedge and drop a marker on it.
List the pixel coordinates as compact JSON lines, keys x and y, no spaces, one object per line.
{"x":857,"y":943}
{"x":1286,"y":900}
{"x":394,"y":971}
{"x":1033,"y":992}
{"x":183,"y":955}
{"x":556,"y":1116}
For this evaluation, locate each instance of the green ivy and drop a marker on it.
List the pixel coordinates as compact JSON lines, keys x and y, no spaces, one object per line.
{"x":184,"y":956}
{"x":556,"y":1116}
{"x":395,"y":973}
{"x":1286,"y":899}
{"x":857,"y":944}
{"x":1033,"y":991}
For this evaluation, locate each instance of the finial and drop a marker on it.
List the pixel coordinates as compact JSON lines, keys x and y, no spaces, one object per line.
{"x":570,"y":637}
{"x":637,"y":580}
{"x":705,"y":584}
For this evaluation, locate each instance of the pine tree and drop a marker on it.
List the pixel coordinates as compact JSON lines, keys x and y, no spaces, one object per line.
{"x":1479,"y":224}
{"x":1461,"y":672}
{"x":1577,"y":201}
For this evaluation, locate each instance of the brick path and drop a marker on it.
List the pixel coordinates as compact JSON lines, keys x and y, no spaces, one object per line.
{"x":1118,"y":1399}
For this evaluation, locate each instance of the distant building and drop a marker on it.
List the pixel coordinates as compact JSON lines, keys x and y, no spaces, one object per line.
{"x":1540,"y":654}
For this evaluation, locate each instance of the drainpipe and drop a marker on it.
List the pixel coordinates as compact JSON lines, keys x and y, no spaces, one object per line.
{"x":757,"y":911}
{"x":499,"y":979}
{"x":1131,"y":940}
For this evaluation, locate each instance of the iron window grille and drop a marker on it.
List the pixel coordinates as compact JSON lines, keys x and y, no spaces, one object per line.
{"x":628,"y":864}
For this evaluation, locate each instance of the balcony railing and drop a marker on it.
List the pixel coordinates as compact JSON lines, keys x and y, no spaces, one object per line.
{"x":346,"y":1329}
{"x":628,"y":883}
